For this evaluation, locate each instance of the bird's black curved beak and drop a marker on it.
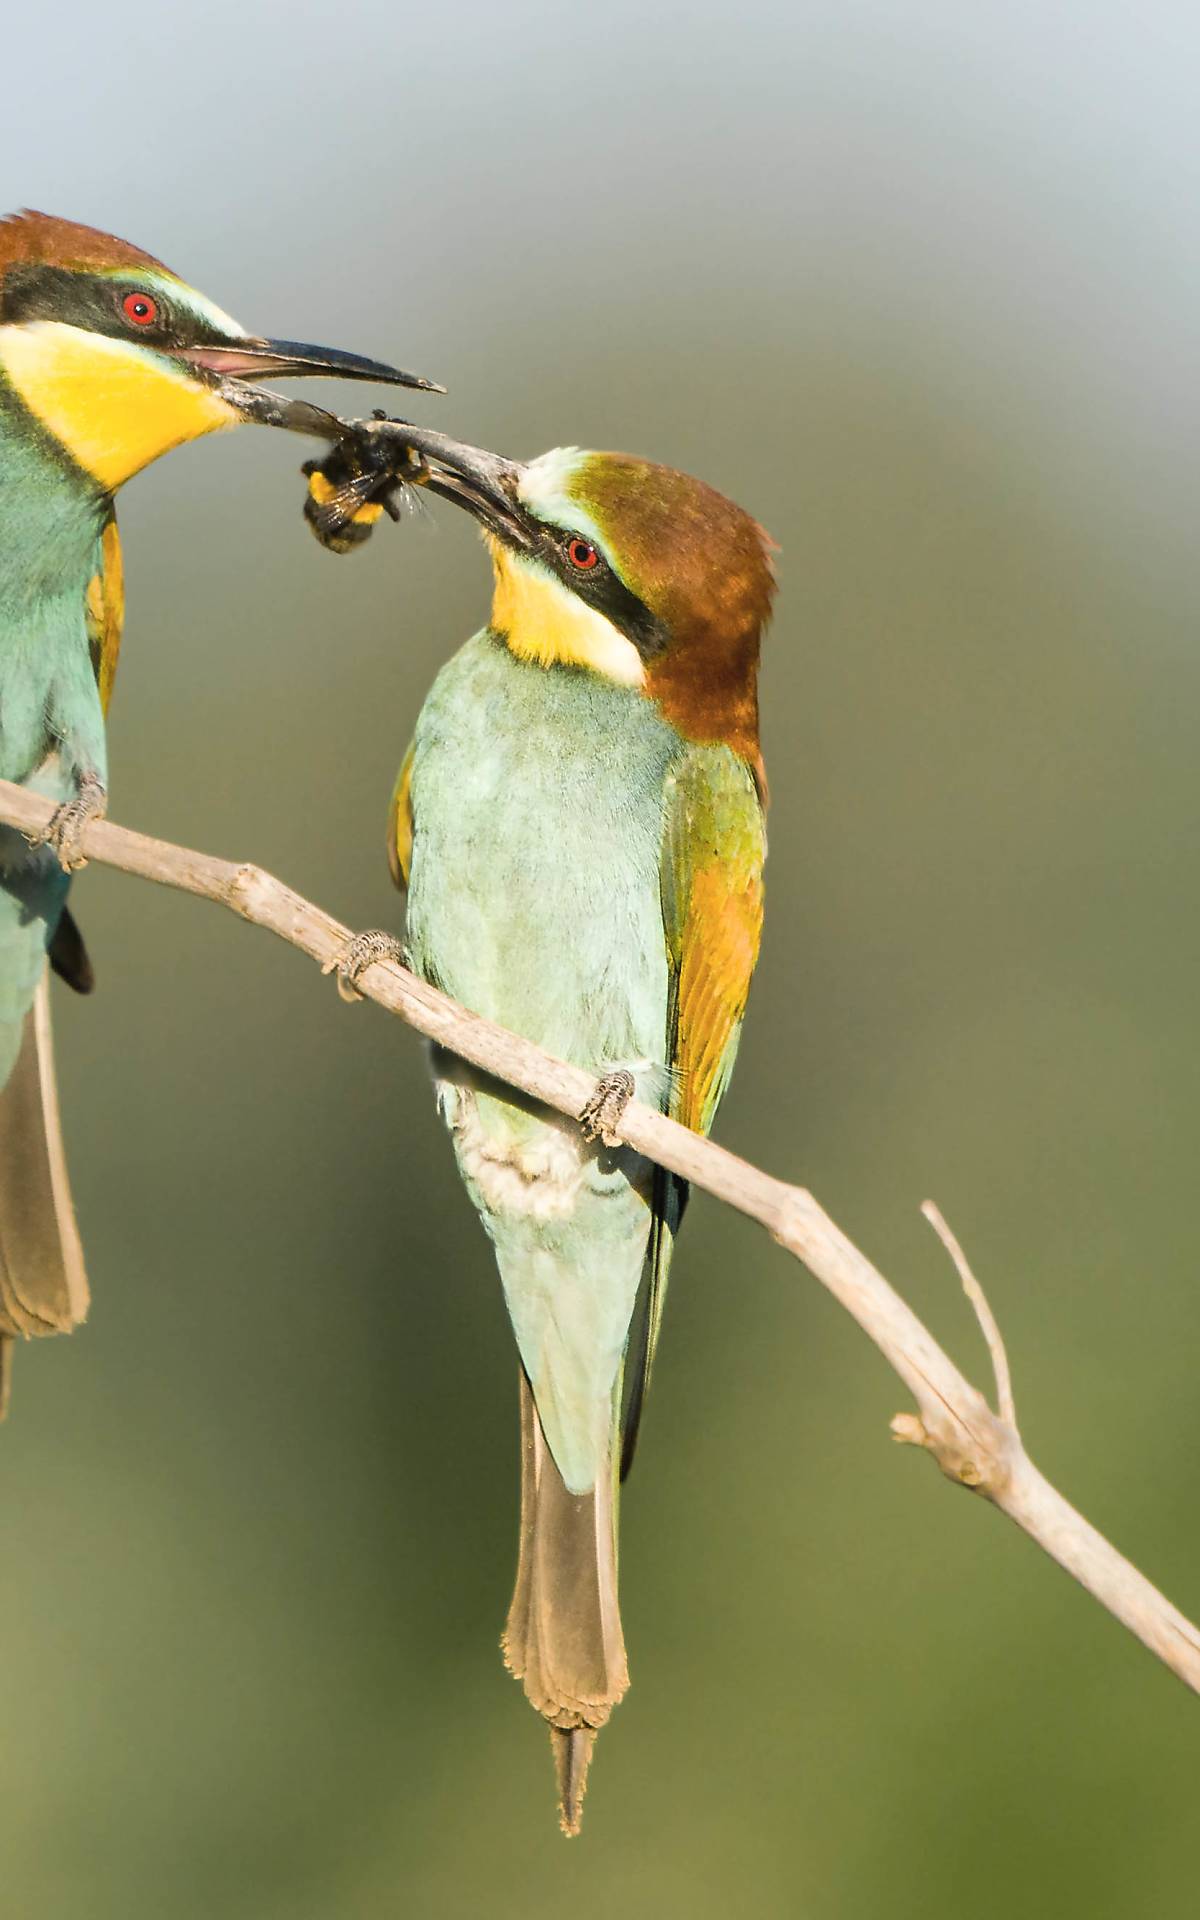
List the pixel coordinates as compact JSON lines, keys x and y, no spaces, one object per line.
{"x":233,"y":365}
{"x":252,"y":359}
{"x":482,"y":482}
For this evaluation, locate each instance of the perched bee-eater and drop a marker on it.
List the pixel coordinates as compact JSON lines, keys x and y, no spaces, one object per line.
{"x":106,"y":361}
{"x":579,"y":824}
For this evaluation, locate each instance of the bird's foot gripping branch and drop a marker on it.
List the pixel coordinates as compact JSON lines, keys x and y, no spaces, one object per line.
{"x":363,"y":951}
{"x":64,"y":832}
{"x":601,"y":1115}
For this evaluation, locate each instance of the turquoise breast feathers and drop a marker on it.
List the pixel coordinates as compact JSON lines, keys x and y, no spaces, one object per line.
{"x":534,"y":897}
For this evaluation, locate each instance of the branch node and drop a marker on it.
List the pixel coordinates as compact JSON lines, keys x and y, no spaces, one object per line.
{"x":246,"y":886}
{"x":980,"y":1462}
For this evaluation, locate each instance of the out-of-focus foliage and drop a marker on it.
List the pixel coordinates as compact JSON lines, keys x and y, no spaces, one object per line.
{"x":919,"y":284}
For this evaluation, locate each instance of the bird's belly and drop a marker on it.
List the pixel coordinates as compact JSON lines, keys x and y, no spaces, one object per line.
{"x":50,"y":549}
{"x":33,"y":891}
{"x":534,"y":893}
{"x":534,"y":898}
{"x":28,"y":674}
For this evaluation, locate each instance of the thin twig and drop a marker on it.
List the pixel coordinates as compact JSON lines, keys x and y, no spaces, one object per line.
{"x":983,"y":1313}
{"x":972,"y":1445}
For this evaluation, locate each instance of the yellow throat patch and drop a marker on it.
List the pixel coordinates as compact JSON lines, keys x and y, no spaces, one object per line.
{"x":544,"y":622}
{"x":114,"y":406}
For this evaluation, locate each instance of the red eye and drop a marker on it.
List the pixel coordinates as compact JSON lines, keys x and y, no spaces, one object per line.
{"x":140,"y":308}
{"x":582,"y":554}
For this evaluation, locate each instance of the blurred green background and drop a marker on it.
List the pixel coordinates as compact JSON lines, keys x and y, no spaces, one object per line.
{"x":919,"y":284}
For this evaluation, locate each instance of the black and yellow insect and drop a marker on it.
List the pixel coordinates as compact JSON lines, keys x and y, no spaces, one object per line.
{"x":351,"y":485}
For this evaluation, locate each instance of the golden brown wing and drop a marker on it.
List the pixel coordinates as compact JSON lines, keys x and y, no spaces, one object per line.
{"x":712,"y":913}
{"x":106,"y":611}
{"x":714,"y":845}
{"x":400,"y":824}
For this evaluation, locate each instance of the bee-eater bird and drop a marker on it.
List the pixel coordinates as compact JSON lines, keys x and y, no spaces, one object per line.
{"x":579,"y":823}
{"x":107,"y":360}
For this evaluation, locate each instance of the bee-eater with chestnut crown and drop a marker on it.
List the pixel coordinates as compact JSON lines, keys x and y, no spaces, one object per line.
{"x":106,"y":361}
{"x":579,"y":823}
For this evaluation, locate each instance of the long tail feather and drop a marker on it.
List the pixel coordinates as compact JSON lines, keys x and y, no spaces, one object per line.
{"x":563,"y":1639}
{"x":572,"y":1748}
{"x":43,"y":1286}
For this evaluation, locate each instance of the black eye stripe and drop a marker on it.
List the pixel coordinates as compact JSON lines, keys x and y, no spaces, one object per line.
{"x":600,"y":586}
{"x":96,"y":302}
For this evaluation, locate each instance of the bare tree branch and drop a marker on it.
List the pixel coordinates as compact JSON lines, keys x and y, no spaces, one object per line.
{"x":979,"y":1449}
{"x":1005,"y":1405}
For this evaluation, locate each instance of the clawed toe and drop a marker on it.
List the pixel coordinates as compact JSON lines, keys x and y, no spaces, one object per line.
{"x":601,"y":1116}
{"x":67,"y":825}
{"x":357,"y":955}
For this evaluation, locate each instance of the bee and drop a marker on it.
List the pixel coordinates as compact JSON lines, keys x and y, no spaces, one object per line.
{"x":351,"y":485}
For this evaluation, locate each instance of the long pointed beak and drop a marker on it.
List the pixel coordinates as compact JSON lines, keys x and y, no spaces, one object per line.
{"x":484,"y":483}
{"x":264,"y":359}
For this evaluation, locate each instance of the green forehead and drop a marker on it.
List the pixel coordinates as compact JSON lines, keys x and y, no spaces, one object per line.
{"x":610,"y":494}
{"x":554,"y":489}
{"x":604,"y":496}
